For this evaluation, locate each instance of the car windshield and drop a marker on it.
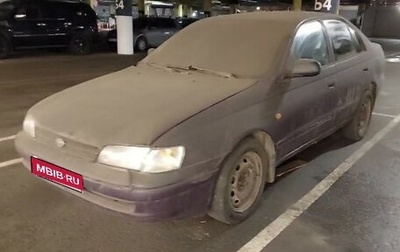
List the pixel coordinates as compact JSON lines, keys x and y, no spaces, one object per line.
{"x":5,"y":8}
{"x":243,"y":48}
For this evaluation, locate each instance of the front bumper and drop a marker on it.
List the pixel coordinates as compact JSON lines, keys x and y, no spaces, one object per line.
{"x":182,"y":198}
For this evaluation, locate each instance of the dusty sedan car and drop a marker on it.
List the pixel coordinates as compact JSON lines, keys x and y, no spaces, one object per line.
{"x":190,"y":131}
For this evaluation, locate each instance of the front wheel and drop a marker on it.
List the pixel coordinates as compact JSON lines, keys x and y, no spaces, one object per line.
{"x":357,"y":128}
{"x":241,"y":183}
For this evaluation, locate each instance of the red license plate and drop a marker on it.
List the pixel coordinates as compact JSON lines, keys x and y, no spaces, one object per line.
{"x":57,"y":174}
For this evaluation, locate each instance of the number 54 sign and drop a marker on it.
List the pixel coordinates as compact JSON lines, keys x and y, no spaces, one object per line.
{"x":123,"y":7}
{"x":119,"y":4}
{"x":326,"y":5}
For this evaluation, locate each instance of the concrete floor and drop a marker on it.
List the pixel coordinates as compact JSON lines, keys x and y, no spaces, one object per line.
{"x":360,"y":212}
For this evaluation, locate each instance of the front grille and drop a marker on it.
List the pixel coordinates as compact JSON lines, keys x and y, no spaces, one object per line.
{"x":72,"y":147}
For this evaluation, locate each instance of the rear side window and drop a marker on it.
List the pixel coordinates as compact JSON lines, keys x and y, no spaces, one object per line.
{"x":56,"y":11}
{"x":87,"y":10}
{"x":310,"y":43}
{"x":81,"y":11}
{"x":359,"y":44}
{"x":342,"y":41}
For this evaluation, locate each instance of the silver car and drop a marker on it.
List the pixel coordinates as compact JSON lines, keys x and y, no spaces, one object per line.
{"x":149,"y":32}
{"x":200,"y":127}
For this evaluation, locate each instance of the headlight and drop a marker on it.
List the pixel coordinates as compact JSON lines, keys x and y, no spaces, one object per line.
{"x":29,"y":126}
{"x":144,"y":159}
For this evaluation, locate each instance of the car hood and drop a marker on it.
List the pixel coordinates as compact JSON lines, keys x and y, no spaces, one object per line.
{"x":131,"y":107}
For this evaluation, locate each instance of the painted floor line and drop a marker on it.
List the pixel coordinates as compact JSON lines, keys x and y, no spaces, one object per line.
{"x":7,"y":138}
{"x":10,"y":162}
{"x":384,"y":115}
{"x":270,"y":232}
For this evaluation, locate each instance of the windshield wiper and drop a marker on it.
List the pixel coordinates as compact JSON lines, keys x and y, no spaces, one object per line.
{"x":206,"y":71}
{"x":192,"y":68}
{"x":157,"y":66}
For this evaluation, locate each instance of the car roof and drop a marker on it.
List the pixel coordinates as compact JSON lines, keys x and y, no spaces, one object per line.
{"x":288,"y":17}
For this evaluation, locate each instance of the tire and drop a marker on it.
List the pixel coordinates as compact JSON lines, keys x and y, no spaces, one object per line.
{"x":244,"y":172}
{"x":81,"y":45}
{"x":357,"y":128}
{"x":141,"y":44}
{"x":5,"y":48}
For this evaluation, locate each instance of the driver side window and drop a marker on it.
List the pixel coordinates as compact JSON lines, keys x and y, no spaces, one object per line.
{"x":310,"y":43}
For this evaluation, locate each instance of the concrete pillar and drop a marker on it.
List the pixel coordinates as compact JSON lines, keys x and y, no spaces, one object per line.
{"x":179,"y":10}
{"x":360,"y":14}
{"x":93,"y":3}
{"x":124,"y":27}
{"x":207,"y":4}
{"x":297,"y":5}
{"x":141,"y":8}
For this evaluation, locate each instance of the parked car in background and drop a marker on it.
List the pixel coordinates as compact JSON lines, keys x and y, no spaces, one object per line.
{"x":46,"y":24}
{"x":199,"y":127}
{"x":152,"y":31}
{"x":184,"y":22}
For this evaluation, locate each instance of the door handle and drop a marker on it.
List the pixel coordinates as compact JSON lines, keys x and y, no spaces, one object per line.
{"x":332,"y":85}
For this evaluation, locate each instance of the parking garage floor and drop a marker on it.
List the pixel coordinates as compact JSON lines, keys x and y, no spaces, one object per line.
{"x":347,"y":197}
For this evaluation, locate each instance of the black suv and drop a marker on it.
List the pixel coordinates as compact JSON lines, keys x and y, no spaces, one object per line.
{"x":45,"y":24}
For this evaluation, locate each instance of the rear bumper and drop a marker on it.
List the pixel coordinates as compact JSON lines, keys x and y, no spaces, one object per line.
{"x":184,"y":198}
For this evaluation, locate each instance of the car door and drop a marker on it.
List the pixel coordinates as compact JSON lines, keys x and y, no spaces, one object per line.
{"x":153,"y":32}
{"x":57,"y":16}
{"x":168,"y":28}
{"x":307,"y":108}
{"x":351,"y":62}
{"x":159,"y":30}
{"x":29,"y":28}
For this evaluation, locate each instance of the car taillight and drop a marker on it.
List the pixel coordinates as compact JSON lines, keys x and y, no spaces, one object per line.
{"x":98,"y":25}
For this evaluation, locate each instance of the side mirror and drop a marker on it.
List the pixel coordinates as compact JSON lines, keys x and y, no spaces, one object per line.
{"x":150,"y":51}
{"x":305,"y":68}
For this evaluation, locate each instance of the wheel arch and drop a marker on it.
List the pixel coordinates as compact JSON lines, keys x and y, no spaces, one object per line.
{"x":141,"y":35}
{"x":374,"y":89}
{"x":269,"y":146}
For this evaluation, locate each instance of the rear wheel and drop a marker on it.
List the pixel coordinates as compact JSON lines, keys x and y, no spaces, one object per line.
{"x":5,"y":48}
{"x":241,"y":183}
{"x":357,"y":128}
{"x":81,"y":44}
